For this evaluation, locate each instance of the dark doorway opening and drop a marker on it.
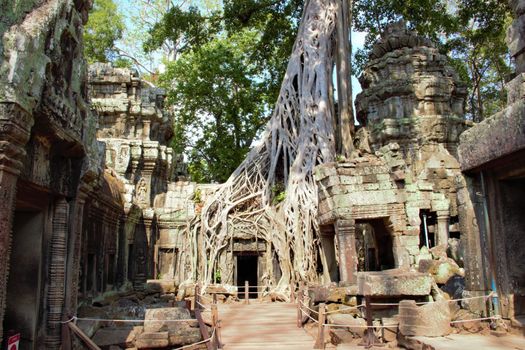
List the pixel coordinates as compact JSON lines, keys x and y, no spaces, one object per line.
{"x":511,"y":204}
{"x":247,"y":271}
{"x":24,"y":283}
{"x":374,"y":246}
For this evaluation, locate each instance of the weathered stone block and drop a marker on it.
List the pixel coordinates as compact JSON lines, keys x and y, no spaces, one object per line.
{"x":157,"y":320}
{"x":152,"y":340}
{"x":114,"y":336}
{"x":356,"y":325}
{"x":393,"y":283}
{"x":431,"y":320}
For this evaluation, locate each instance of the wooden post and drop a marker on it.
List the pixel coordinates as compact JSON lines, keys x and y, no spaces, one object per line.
{"x":216,"y":341}
{"x":370,"y":339}
{"x":299,"y":307}
{"x":87,"y":340}
{"x":66,"y":336}
{"x":214,"y":298}
{"x":319,"y":343}
{"x":292,"y":293}
{"x":246,"y":292}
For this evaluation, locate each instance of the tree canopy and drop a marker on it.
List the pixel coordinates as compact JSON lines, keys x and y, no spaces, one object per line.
{"x":243,"y":47}
{"x":225,"y":77}
{"x":103,"y":29}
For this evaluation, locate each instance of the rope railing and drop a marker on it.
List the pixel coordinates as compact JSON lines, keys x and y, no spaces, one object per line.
{"x":212,"y":341}
{"x":305,"y":310}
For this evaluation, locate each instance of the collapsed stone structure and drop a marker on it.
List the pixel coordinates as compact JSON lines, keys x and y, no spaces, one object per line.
{"x":401,"y":194}
{"x":94,"y":199}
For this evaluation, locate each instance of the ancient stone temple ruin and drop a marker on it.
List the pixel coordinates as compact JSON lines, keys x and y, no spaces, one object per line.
{"x":396,"y":204}
{"x":96,"y":205}
{"x":93,"y":195}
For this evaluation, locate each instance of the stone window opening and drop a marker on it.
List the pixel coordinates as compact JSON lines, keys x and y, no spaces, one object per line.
{"x":374,"y":246}
{"x":427,"y":228}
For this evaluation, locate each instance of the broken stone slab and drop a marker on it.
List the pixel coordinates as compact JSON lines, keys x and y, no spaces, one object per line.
{"x":395,"y":282}
{"x":356,"y":325}
{"x":161,"y":286}
{"x":221,"y":289}
{"x":431,"y":320}
{"x":152,"y":340}
{"x":340,"y":336}
{"x":441,"y":270}
{"x":158,"y":320}
{"x":123,"y":337}
{"x":333,"y":294}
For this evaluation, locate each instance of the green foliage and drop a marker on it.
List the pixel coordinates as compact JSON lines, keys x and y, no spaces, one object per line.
{"x":225,"y":79}
{"x":219,"y":108}
{"x":103,"y":29}
{"x":197,"y":196}
{"x":278,"y":193}
{"x":470,"y":32}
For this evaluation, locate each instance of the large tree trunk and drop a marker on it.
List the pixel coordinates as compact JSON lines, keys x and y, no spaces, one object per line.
{"x":299,"y":135}
{"x":344,"y":75}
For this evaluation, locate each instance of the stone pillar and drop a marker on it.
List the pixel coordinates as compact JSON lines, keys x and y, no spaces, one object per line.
{"x":442,"y":228}
{"x":75,"y":246}
{"x":345,"y":231}
{"x":330,"y":273}
{"x":136,"y":154}
{"x":146,"y":130}
{"x":57,"y":274}
{"x":151,"y":237}
{"x":15,"y":126}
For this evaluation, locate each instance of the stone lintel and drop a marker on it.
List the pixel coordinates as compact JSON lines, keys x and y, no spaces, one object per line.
{"x":500,"y":135}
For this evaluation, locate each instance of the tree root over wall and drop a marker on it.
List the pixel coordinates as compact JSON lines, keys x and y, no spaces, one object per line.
{"x":299,"y":135}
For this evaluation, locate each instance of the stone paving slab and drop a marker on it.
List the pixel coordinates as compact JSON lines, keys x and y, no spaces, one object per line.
{"x":474,"y":341}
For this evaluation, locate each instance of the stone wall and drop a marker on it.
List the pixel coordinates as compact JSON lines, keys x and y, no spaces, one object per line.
{"x":45,"y":134}
{"x":492,"y":155}
{"x":403,"y":177}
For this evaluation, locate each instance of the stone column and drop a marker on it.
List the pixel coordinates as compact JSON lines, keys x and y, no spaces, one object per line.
{"x":146,"y":130}
{"x":151,"y":237}
{"x":345,"y":231}
{"x":57,"y":274}
{"x":442,"y":228}
{"x":15,"y":126}
{"x":75,"y":245}
{"x":327,"y":243}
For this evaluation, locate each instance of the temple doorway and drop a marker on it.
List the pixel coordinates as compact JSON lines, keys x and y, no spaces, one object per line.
{"x":24,"y":311}
{"x":512,"y":202}
{"x":247,"y":270}
{"x":374,"y":246}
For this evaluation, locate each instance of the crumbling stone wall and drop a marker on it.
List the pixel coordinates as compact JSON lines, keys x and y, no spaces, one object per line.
{"x":44,"y":137}
{"x":404,"y":171}
{"x":156,"y":199}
